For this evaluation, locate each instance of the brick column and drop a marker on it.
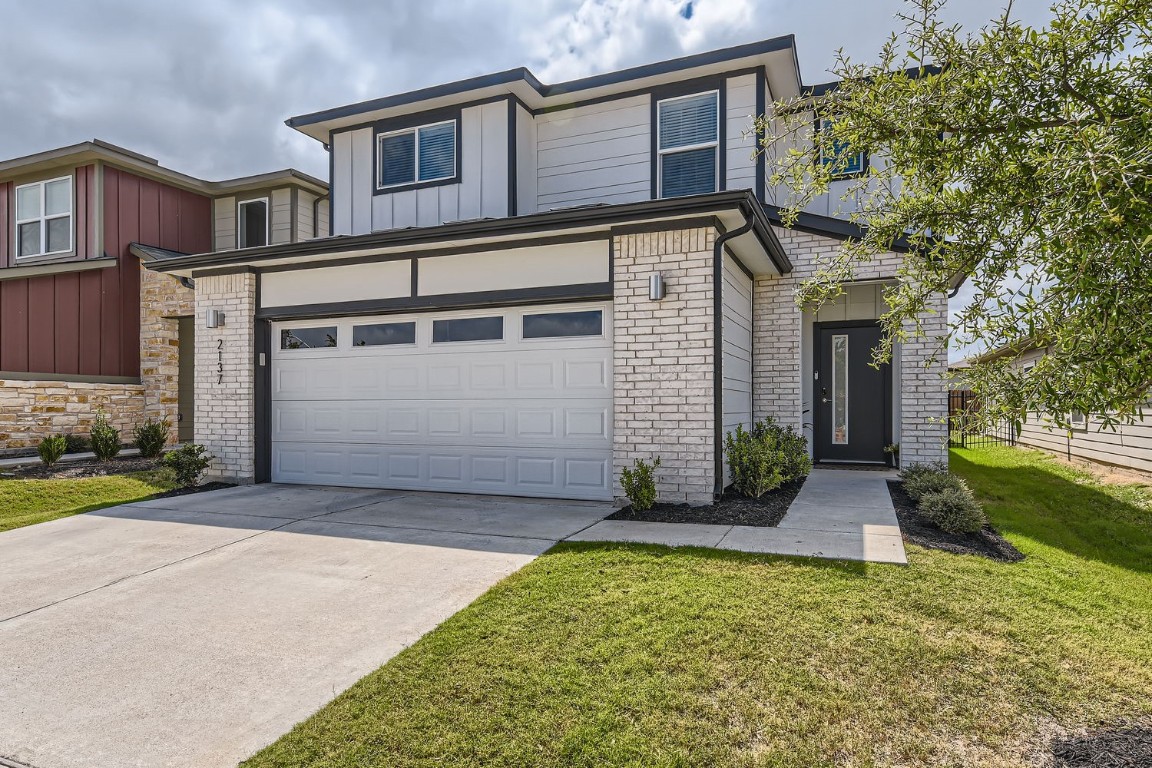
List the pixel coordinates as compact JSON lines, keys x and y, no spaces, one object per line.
{"x":924,"y":396}
{"x":225,"y":408}
{"x":663,"y":357}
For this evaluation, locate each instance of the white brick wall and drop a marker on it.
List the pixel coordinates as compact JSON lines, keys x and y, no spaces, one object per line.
{"x":225,"y":409}
{"x":663,"y":361}
{"x":778,"y":335}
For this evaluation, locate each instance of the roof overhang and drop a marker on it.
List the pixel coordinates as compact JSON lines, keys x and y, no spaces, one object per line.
{"x":87,"y":152}
{"x":758,"y":249}
{"x":776,"y":56}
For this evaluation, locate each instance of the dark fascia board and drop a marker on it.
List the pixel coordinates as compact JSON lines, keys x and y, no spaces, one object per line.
{"x":828,"y":226}
{"x":823,"y":89}
{"x":522,"y":74}
{"x":568,"y":218}
{"x":153,"y":252}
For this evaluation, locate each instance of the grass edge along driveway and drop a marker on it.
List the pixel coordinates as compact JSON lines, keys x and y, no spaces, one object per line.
{"x":618,"y":655}
{"x":26,"y":502}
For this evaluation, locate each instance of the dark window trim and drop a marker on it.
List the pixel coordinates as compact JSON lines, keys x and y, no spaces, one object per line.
{"x":761,"y":156}
{"x":819,"y":126}
{"x":292,"y":332}
{"x":718,"y":83}
{"x":568,"y":311}
{"x":413,"y":122}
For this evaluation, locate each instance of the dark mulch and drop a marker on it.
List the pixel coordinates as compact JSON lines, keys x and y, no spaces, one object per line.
{"x":86,"y":468}
{"x":919,"y":530}
{"x":732,"y":509}
{"x":213,"y":486}
{"x":1119,"y":747}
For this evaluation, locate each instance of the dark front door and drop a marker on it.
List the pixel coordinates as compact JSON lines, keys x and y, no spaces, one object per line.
{"x":851,"y":398}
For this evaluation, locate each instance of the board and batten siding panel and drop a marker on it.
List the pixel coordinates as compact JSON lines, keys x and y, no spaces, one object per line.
{"x":341,"y":187}
{"x":280,"y":223}
{"x":224,"y":223}
{"x":526,"y":173}
{"x":740,"y":140}
{"x":600,"y":153}
{"x":363,"y":180}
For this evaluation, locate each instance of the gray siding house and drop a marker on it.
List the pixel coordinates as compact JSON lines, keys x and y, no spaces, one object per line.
{"x":528,"y":286}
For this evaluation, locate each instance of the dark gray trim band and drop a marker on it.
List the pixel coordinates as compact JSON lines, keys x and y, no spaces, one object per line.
{"x":55,"y":268}
{"x":839,"y":229}
{"x":480,"y":299}
{"x":761,"y":156}
{"x":511,"y":156}
{"x":262,"y":392}
{"x":68,"y":378}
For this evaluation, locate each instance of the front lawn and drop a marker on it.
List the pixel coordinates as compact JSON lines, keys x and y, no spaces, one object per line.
{"x":24,"y":502}
{"x":614,"y":655}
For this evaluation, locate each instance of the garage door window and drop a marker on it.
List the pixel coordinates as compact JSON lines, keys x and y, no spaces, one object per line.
{"x":468,"y":329}
{"x":382,"y":334}
{"x":559,"y":324}
{"x":308,"y":338}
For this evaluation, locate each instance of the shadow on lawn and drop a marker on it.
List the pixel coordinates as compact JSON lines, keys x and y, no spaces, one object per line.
{"x":851,"y":568}
{"x":1051,"y":510}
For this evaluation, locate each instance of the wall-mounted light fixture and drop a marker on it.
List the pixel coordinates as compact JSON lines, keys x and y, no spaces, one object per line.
{"x":656,"y":288}
{"x":214,"y":318}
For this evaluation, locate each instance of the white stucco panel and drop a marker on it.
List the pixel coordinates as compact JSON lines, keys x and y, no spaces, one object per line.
{"x":566,"y":264}
{"x":358,"y":282}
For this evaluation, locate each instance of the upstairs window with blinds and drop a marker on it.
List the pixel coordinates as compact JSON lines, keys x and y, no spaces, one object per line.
{"x":688,"y":144}
{"x":416,"y":155}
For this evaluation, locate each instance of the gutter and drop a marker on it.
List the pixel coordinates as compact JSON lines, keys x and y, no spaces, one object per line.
{"x":717,"y":346}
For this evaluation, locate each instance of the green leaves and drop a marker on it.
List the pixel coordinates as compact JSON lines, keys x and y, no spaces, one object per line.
{"x":1018,"y":159}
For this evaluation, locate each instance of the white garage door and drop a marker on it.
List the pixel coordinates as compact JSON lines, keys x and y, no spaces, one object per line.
{"x":506,"y":401}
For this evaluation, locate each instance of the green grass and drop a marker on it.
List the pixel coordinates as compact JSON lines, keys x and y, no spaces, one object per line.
{"x":615,"y":655}
{"x":25,"y":502}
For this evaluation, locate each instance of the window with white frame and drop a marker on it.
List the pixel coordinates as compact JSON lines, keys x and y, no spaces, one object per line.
{"x":44,"y":218}
{"x":1077,"y":420}
{"x":252,"y":223}
{"x":416,"y":155}
{"x":688,"y":144}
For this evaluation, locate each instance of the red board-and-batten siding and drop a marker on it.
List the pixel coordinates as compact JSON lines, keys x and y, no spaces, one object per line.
{"x":88,"y":323}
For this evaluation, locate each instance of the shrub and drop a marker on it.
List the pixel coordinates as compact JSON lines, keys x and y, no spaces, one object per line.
{"x":953,"y":509}
{"x":755,"y":460}
{"x":639,"y":484}
{"x":105,"y":438}
{"x":77,"y":443}
{"x":920,"y":479}
{"x":52,"y":448}
{"x":797,"y":462}
{"x":151,"y":437}
{"x":188,"y":462}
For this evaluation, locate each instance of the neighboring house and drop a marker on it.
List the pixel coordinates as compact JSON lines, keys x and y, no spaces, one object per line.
{"x":82,"y":326}
{"x":1084,"y":438}
{"x":529,"y":286}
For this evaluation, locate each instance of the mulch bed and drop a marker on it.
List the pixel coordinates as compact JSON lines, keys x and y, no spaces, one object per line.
{"x":70,"y":470}
{"x":919,"y":530}
{"x":732,"y":509}
{"x":1127,"y":746}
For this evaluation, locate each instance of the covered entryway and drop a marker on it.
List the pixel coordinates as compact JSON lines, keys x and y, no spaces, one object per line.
{"x":852,"y":409}
{"x":514,"y":401}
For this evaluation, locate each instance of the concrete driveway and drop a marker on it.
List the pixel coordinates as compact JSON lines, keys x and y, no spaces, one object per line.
{"x":192,"y":631}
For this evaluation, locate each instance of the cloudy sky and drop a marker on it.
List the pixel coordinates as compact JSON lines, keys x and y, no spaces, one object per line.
{"x":205,"y":85}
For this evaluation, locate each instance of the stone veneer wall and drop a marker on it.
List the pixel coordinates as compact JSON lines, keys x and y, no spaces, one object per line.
{"x":663,"y":361}
{"x":777,"y":329}
{"x":32,"y":410}
{"x":225,"y":408}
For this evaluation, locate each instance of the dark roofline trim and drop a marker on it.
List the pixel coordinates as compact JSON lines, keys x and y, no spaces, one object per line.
{"x":522,"y":74}
{"x":840,"y":229}
{"x":528,"y":223}
{"x":823,"y":89}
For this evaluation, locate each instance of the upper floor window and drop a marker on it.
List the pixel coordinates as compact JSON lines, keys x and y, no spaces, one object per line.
{"x":44,"y":217}
{"x":688,"y":144}
{"x":841,"y":159}
{"x":252,"y":223}
{"x":416,"y":155}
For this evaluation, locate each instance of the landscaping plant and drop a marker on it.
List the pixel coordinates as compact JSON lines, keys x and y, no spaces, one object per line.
{"x":77,"y":443}
{"x":151,"y":437}
{"x":105,"y":438}
{"x":953,"y":508}
{"x":920,"y":479}
{"x":766,"y":457}
{"x":52,"y":448}
{"x":188,"y":462}
{"x":639,"y":484}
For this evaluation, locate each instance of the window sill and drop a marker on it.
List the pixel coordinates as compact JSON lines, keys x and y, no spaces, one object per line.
{"x":415,"y":185}
{"x":34,"y":267}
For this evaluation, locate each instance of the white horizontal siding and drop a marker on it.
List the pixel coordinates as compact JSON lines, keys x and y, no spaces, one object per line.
{"x":224,"y":223}
{"x":280,"y":213}
{"x":600,"y":153}
{"x":736,"y":349}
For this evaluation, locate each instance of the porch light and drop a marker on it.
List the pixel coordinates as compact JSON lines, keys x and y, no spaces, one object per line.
{"x":214,"y":318}
{"x":656,"y":288}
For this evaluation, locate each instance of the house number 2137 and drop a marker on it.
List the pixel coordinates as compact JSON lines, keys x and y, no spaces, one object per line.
{"x":220,"y":361}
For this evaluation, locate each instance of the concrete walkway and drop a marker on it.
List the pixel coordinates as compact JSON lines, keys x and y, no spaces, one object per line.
{"x":839,"y":514}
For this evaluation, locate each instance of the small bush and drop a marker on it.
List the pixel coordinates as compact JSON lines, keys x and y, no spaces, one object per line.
{"x":105,"y":438}
{"x":77,"y":443}
{"x":953,"y":509}
{"x":920,"y":479}
{"x":151,"y":437}
{"x":639,"y":484}
{"x":797,"y":462}
{"x":52,"y":448}
{"x":188,"y":462}
{"x":766,"y":457}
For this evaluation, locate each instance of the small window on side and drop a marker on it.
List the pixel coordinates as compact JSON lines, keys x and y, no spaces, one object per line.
{"x":383,"y":334}
{"x":44,"y":218}
{"x":308,"y":338}
{"x":842,"y":161}
{"x":252,"y":223}
{"x":1077,"y":420}
{"x":561,"y":324}
{"x":467,"y":329}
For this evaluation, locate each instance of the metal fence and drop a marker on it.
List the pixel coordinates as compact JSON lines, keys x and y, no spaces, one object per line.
{"x":968,"y":429}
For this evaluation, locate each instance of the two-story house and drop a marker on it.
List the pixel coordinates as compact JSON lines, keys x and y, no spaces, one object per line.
{"x":528,"y":286}
{"x":82,"y":326}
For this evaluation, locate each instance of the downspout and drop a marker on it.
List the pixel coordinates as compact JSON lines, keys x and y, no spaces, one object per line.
{"x":316,"y":215}
{"x":717,"y":347}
